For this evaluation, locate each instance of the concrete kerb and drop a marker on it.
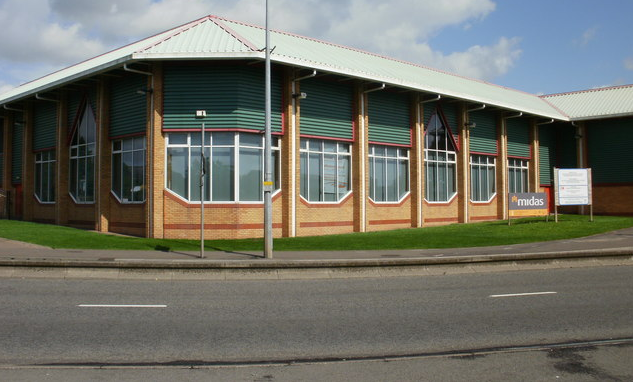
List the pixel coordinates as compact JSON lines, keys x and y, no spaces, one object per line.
{"x":307,"y":269}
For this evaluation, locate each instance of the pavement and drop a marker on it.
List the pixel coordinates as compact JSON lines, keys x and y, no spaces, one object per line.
{"x":18,"y":259}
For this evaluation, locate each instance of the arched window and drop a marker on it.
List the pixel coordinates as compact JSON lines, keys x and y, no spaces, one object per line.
{"x":440,"y":161}
{"x":82,"y":158}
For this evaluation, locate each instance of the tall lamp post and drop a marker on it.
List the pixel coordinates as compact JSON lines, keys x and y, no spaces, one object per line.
{"x":201,"y":114}
{"x":268,"y":178}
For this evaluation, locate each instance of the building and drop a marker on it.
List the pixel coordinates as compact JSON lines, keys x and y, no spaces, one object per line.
{"x":361,"y":142}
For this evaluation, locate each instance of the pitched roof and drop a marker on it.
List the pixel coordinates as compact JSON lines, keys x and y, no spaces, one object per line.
{"x":213,"y":37}
{"x":608,"y":102}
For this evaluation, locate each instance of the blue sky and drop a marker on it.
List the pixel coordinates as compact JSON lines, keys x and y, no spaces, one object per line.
{"x":538,"y":46}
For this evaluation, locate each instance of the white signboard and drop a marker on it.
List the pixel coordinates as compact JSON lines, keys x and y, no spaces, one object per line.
{"x":573,"y":186}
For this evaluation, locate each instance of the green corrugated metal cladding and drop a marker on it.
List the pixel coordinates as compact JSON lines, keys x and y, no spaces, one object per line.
{"x":546,"y":154}
{"x":566,"y":147}
{"x":483,"y":137}
{"x":16,"y":152}
{"x":233,"y":97}
{"x":44,"y":125}
{"x":128,"y":109}
{"x":518,"y":137}
{"x":389,"y":118}
{"x":328,"y":109}
{"x":609,"y":148}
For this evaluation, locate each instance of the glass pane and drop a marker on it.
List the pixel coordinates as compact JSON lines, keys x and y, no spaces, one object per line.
{"x":304,"y":175}
{"x":223,"y":139}
{"x":379,"y":151}
{"x":128,"y":164}
{"x":277,"y":170}
{"x":403,"y":178}
{"x":372,"y":179}
{"x":139,"y":143}
{"x":128,"y":144}
{"x":196,"y":162}
{"x":116,"y":146}
{"x":429,"y":172}
{"x":251,"y":174}
{"x":314,"y":192}
{"x":116,"y":174}
{"x":90,"y":149}
{"x":251,"y":140}
{"x":315,"y":145}
{"x":343,"y":148}
{"x":304,"y":144}
{"x":177,"y":139}
{"x":442,"y":182}
{"x":343,"y":176}
{"x":392,"y":180}
{"x":73,"y":178}
{"x":451,"y":176}
{"x":38,"y":180}
{"x":82,"y":185}
{"x":52,"y":182}
{"x":329,"y":146}
{"x":91,"y":126}
{"x":329,"y":178}
{"x":138,"y":176}
{"x":90,"y":179}
{"x":196,"y":138}
{"x":379,"y":171}
{"x":491,"y":181}
{"x":223,"y":174}
{"x":392,"y":152}
{"x":524,"y":181}
{"x":177,"y":171}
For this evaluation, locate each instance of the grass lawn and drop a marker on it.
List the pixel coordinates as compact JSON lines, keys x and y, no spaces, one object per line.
{"x":450,"y":236}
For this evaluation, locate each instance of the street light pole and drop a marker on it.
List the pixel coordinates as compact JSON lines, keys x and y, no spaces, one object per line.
{"x":201,"y":114}
{"x":268,"y":179}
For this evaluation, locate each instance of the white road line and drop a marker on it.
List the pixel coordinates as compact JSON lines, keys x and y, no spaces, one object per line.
{"x":520,"y":294}
{"x":120,"y":306}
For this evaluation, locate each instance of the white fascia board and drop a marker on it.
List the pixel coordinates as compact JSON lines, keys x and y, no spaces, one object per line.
{"x":48,"y":86}
{"x":601,"y":116}
{"x":413,"y":86}
{"x":196,"y":55}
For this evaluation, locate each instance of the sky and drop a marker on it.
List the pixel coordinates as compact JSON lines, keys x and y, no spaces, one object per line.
{"x":537,"y":46}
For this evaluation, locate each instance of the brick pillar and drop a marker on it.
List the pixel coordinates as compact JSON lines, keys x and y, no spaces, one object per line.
{"x":463,"y":164}
{"x":156,"y":158}
{"x":360,"y":161}
{"x":416,"y":163}
{"x":62,"y":165}
{"x":290,"y":157}
{"x":28,"y":165}
{"x":502,"y":169}
{"x":103,"y":172}
{"x":6,"y":167}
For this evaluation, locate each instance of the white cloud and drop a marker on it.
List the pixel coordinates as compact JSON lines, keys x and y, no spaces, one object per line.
{"x":628,"y":63}
{"x":62,"y":32}
{"x":587,"y":36}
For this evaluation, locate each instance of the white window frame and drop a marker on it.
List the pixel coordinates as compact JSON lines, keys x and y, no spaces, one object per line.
{"x":121,"y":151}
{"x":343,"y":149}
{"x":45,"y":158}
{"x":490,"y":162}
{"x":523,"y":166}
{"x":398,"y":157}
{"x":208,"y":148}
{"x":450,"y":159}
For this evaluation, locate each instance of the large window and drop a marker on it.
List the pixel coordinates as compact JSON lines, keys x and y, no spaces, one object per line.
{"x":128,"y":170}
{"x":388,"y":173}
{"x":439,"y":161}
{"x":45,"y":176}
{"x":517,"y":175}
{"x":482,"y":178}
{"x":325,"y":170}
{"x":82,"y":158}
{"x":234,"y":166}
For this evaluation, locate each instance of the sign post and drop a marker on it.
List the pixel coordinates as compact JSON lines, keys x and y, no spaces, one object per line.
{"x":527,"y":204}
{"x":573,"y":188}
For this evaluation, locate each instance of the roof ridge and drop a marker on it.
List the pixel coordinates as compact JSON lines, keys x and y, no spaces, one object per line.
{"x":218,"y":21}
{"x":587,"y":90}
{"x":381,"y":56}
{"x":176,"y":31}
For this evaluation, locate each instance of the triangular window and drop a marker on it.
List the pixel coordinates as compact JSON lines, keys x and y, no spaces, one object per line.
{"x":82,"y":157}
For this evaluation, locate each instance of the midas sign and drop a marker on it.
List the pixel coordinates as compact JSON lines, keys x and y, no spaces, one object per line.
{"x":528,"y":204}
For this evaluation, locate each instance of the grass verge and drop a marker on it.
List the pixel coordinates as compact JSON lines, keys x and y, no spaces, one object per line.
{"x":451,"y":236}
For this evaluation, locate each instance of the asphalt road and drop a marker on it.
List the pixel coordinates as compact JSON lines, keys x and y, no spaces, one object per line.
{"x":156,"y":323}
